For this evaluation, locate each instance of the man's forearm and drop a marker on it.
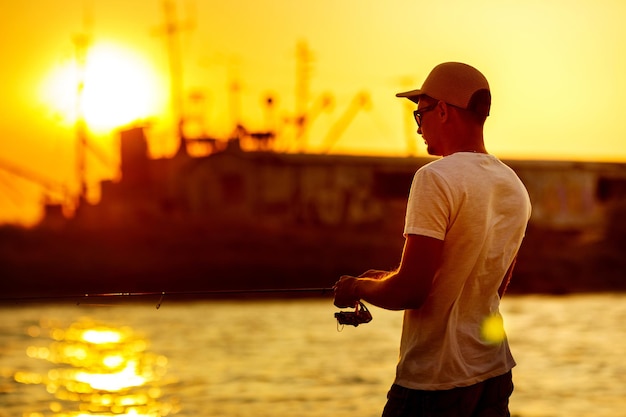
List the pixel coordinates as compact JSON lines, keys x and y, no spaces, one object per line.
{"x":389,"y":293}
{"x":406,"y":288}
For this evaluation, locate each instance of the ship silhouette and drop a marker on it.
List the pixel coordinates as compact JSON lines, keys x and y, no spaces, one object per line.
{"x":235,"y":219}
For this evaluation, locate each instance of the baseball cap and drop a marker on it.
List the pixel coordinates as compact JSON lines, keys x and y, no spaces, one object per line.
{"x":455,"y":83}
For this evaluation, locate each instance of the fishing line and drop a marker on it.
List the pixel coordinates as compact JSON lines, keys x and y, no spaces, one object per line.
{"x":161,"y":294}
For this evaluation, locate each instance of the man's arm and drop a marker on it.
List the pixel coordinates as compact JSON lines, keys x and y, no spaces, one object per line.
{"x":406,"y":288}
{"x":507,"y":278}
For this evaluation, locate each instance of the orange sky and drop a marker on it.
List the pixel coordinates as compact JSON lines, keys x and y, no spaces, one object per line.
{"x":556,"y":70}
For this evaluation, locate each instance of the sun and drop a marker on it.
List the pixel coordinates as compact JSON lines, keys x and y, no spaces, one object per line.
{"x":119,"y":87}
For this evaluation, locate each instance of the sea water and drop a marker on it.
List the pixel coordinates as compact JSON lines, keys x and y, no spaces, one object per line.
{"x":285,"y":358}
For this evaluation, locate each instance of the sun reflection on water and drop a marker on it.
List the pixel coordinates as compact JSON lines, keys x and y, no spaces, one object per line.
{"x":98,"y":370}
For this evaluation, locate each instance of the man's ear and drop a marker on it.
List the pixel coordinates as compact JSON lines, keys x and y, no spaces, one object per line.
{"x":443,"y":111}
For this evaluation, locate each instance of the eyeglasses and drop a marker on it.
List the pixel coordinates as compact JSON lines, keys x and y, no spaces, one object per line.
{"x":420,"y":112}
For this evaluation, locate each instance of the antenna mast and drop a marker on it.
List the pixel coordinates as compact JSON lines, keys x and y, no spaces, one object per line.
{"x":304,"y":59}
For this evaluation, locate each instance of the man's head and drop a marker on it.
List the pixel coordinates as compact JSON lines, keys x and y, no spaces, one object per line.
{"x":458,"y":84}
{"x":452,"y":107}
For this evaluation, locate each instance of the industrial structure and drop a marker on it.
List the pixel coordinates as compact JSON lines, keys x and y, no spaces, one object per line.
{"x":244,"y":214}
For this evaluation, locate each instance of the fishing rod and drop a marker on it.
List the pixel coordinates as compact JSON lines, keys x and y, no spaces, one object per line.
{"x":353,"y":318}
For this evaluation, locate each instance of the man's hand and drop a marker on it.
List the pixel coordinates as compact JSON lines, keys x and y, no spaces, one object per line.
{"x":345,"y":292}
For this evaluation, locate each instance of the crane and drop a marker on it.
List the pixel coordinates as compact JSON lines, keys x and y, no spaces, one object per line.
{"x":23,"y":173}
{"x":171,"y":28}
{"x":360,"y":101}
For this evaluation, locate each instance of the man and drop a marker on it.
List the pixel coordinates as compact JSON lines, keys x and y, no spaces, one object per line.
{"x":466,"y":217}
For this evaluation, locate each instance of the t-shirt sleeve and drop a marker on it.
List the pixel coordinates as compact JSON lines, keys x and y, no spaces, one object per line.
{"x":428,"y":208}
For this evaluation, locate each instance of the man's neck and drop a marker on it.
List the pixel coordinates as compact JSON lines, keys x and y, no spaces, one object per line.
{"x":467,"y":146}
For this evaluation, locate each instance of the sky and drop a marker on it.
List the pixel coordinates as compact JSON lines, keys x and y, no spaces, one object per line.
{"x":556,"y":70}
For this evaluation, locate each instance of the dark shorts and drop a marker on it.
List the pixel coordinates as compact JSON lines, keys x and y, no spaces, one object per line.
{"x":489,"y":398}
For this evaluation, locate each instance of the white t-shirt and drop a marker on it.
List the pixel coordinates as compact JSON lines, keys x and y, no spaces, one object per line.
{"x":479,"y":207}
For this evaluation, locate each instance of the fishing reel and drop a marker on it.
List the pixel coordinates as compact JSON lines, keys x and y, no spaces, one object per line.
{"x":360,"y":315}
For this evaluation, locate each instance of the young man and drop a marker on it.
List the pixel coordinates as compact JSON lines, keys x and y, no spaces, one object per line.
{"x":466,"y":217}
